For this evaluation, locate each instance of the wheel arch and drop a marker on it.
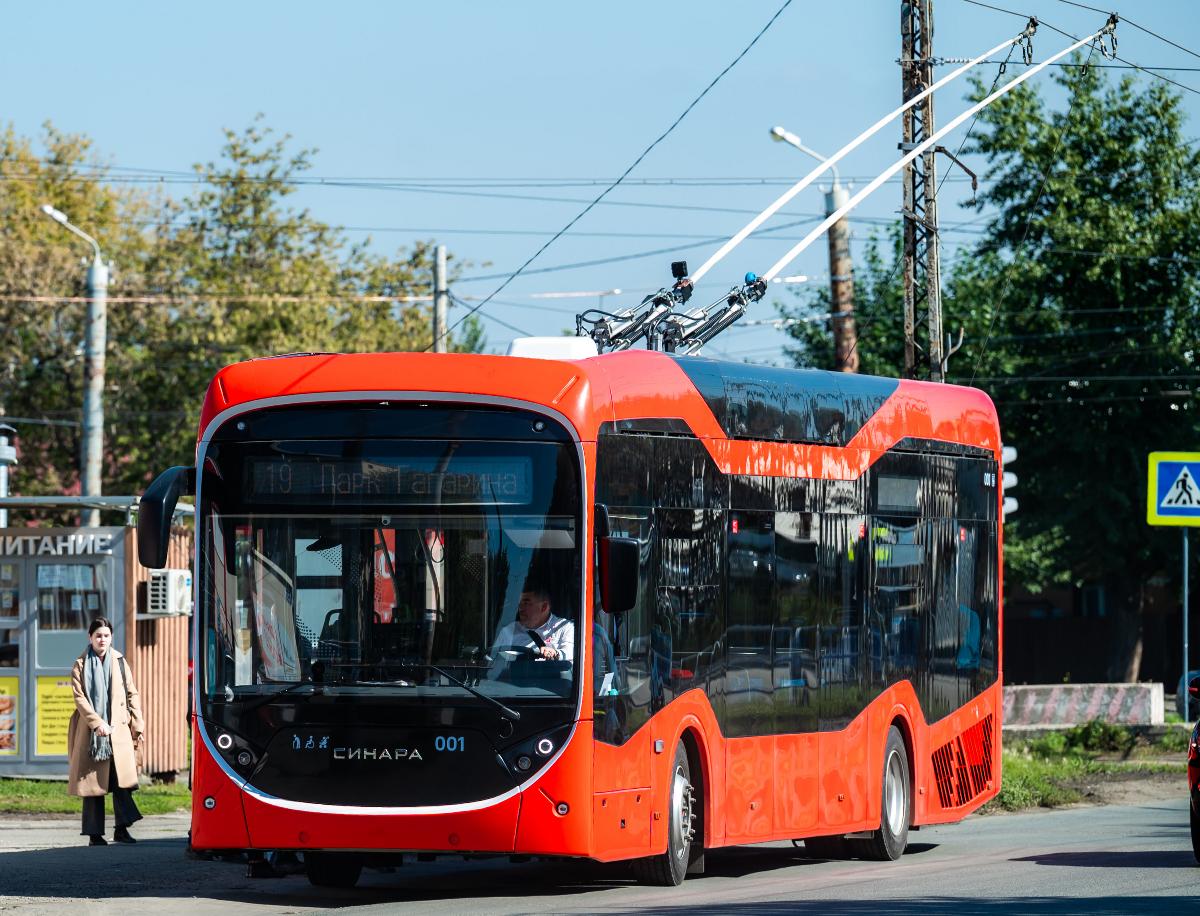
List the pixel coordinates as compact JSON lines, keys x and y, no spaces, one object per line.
{"x":697,"y":750}
{"x":901,"y":721}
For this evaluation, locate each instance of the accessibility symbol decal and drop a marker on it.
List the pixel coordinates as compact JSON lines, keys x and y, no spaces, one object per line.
{"x":1173,"y":489}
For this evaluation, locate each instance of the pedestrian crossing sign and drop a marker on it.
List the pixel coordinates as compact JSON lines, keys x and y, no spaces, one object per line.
{"x":1173,"y":489}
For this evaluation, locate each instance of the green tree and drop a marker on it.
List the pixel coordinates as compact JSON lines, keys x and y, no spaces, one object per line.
{"x":1080,"y":308}
{"x":227,"y":273}
{"x":41,"y":290}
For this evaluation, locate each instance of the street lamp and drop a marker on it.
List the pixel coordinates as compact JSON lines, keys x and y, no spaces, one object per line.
{"x":841,"y":267}
{"x":93,"y":367}
{"x":786,"y":136}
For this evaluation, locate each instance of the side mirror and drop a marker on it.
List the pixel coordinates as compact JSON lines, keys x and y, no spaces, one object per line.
{"x":620,"y":558}
{"x":1194,"y":687}
{"x":156,"y":508}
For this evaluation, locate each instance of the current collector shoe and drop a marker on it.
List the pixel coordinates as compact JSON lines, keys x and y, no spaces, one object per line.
{"x":97,"y":840}
{"x":121,"y":835}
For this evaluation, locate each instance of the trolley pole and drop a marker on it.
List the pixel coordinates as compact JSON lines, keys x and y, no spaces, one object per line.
{"x":441,"y":297}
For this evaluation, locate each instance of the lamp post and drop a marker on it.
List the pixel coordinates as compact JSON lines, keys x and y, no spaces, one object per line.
{"x":841,"y":267}
{"x":93,"y":368}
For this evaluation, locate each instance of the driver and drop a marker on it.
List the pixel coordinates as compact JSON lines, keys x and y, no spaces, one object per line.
{"x":536,"y":626}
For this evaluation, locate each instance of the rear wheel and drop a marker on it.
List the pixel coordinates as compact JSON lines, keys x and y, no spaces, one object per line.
{"x":332,"y":869}
{"x":670,"y":868}
{"x":888,"y":842}
{"x":1195,"y":829}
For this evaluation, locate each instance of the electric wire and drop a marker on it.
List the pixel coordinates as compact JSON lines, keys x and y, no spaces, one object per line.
{"x":632,"y":166}
{"x":1128,"y":21}
{"x":459,"y":302}
{"x":612,"y":259}
{"x":1135,"y":66}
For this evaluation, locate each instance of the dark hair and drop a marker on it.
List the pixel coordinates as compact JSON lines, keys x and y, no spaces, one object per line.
{"x":537,"y":589}
{"x":98,"y":623}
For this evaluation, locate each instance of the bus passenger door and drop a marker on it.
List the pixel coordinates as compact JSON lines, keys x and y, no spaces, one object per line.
{"x":749,"y":682}
{"x":796,"y":671}
{"x":845,"y":756}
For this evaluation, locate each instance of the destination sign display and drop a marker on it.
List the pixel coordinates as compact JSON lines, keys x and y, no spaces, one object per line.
{"x":401,"y":479}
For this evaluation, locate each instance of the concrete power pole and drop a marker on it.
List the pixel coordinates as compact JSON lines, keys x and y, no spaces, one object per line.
{"x":8,"y":457}
{"x":841,"y":284}
{"x":95,"y":344}
{"x":93,"y":380}
{"x":922,"y":271}
{"x":441,"y":298}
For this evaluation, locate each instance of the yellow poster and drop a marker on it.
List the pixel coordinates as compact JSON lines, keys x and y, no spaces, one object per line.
{"x":55,"y":703}
{"x":9,"y":693}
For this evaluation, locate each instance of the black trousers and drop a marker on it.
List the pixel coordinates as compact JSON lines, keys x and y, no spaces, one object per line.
{"x":125,"y":809}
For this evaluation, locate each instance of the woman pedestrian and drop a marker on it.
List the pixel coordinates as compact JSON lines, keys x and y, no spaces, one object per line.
{"x":103,"y":736}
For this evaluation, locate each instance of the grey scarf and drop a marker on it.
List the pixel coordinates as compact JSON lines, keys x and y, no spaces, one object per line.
{"x":97,"y":683}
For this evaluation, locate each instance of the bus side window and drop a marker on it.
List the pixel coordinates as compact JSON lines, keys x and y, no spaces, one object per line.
{"x":621,"y":647}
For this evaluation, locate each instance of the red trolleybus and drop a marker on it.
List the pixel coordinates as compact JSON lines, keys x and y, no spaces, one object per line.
{"x":773,"y":608}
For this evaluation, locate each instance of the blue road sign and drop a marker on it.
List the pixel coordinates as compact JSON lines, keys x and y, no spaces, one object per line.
{"x":1173,"y":489}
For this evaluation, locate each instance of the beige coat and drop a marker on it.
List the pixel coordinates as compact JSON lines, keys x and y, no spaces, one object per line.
{"x":85,"y":775}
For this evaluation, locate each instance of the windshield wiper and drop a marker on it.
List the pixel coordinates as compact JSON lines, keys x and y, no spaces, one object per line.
{"x":511,"y":713}
{"x":278,"y":693}
{"x":508,"y":711}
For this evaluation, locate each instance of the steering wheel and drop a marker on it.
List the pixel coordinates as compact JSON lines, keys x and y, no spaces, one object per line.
{"x":521,"y":651}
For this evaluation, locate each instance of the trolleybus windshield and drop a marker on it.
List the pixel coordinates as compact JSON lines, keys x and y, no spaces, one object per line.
{"x":386,"y":567}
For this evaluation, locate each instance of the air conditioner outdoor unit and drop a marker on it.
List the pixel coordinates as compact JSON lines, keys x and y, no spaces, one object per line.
{"x":169,"y":592}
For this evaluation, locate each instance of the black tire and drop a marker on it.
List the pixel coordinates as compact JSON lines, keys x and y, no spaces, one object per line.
{"x":895,"y":813}
{"x":1195,"y":819}
{"x":825,"y":847}
{"x":332,"y":869}
{"x":683,"y":846}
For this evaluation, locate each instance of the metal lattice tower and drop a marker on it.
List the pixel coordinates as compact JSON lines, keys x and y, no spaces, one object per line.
{"x":922,"y":278}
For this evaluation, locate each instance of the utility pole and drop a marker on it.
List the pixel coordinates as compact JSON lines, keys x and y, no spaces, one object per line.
{"x":922,"y":279}
{"x":8,"y":457}
{"x":441,"y":297}
{"x":841,"y":284}
{"x":95,"y":345}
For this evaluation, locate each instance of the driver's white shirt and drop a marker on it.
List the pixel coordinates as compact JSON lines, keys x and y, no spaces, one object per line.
{"x":558,"y":632}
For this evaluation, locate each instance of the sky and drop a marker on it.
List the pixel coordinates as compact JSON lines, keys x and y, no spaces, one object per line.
{"x":487,"y":127}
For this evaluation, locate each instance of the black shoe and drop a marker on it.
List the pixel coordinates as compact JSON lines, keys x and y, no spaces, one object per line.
{"x":121,"y":835}
{"x":97,"y":840}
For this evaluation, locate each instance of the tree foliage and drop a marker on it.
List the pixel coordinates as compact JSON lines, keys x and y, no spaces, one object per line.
{"x":1080,"y":308}
{"x":226,"y":273}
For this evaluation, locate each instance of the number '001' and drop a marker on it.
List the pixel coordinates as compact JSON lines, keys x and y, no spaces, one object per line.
{"x":449,"y":743}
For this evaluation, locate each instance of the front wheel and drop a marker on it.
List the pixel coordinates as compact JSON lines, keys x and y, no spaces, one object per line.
{"x":888,"y":842}
{"x":670,"y":868}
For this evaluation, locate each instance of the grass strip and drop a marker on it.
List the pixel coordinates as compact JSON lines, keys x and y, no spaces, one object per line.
{"x":36,"y":796}
{"x":1043,"y":772}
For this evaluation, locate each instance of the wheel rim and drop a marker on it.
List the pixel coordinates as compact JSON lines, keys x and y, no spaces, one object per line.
{"x":895,"y":794}
{"x":683,"y":827}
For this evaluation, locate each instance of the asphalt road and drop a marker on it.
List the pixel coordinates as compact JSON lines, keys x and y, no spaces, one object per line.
{"x":1095,"y":861}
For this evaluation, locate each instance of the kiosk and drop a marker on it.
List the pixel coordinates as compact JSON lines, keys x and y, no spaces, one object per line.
{"x":53,"y":582}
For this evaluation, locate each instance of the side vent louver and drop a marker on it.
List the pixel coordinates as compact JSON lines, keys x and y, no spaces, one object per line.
{"x":963,"y":766}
